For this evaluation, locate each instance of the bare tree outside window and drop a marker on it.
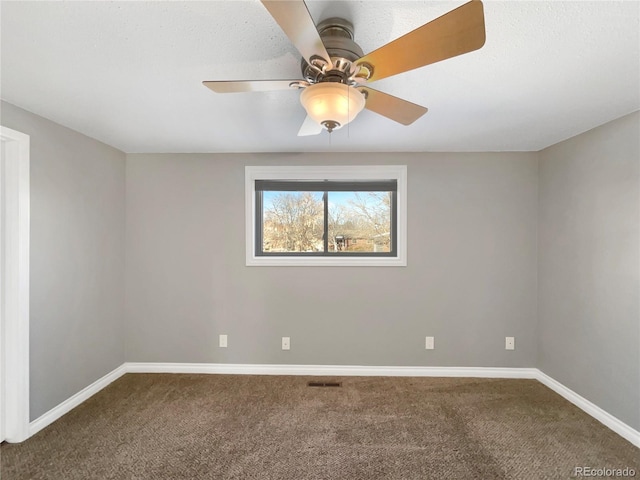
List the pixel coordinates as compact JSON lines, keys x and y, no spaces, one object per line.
{"x":338,"y":217}
{"x":357,"y":221}
{"x":370,"y":214}
{"x":293,"y":222}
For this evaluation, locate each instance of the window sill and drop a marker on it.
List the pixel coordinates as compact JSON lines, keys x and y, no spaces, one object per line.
{"x":326,"y":262}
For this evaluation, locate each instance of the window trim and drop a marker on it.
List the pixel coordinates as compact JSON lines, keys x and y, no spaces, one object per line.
{"x":342,"y":173}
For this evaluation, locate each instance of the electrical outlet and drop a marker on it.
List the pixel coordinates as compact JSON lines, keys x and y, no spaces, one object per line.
{"x":429,"y":343}
{"x":510,"y":343}
{"x":222,"y":342}
{"x":286,"y":343}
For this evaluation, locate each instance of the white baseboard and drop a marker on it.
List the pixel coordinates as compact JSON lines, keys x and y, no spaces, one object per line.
{"x":330,"y":370}
{"x":596,"y":412}
{"x":72,"y":402}
{"x":618,"y":426}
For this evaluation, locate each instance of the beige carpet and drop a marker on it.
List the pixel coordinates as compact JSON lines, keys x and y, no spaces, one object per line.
{"x":161,"y":426}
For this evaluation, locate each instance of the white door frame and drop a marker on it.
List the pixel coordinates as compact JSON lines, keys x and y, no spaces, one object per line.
{"x":14,"y":349}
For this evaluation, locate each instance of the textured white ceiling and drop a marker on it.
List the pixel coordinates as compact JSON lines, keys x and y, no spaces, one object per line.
{"x":129,"y":74}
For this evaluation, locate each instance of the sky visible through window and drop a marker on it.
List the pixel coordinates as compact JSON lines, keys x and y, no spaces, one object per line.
{"x":337,"y":198}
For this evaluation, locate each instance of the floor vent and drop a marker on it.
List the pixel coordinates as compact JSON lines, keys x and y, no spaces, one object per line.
{"x":324,"y":384}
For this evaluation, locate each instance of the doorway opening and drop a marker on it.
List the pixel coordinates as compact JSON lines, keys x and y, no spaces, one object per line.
{"x":14,"y":285}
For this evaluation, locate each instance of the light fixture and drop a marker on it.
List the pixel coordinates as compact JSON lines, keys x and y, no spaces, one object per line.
{"x":332,"y":104}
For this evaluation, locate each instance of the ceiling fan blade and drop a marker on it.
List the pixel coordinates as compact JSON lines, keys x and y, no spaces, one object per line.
{"x":394,"y":108}
{"x":309,"y":127}
{"x":454,"y":33}
{"x":296,"y":21}
{"x":249,"y":85}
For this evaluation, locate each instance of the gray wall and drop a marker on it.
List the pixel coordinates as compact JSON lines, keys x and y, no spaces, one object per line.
{"x":470,"y":281}
{"x":589,"y":242}
{"x":77,"y":258}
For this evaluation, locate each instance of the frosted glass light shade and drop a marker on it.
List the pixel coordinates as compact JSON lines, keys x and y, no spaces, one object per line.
{"x":332,"y":105}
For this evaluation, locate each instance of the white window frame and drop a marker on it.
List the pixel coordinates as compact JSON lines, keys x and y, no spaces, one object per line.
{"x":350,"y":172}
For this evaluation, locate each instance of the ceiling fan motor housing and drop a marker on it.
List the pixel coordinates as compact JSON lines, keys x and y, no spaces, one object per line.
{"x":344,"y":102}
{"x":337,"y":36}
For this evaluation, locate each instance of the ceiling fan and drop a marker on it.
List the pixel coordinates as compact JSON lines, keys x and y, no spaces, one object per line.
{"x":336,"y":72}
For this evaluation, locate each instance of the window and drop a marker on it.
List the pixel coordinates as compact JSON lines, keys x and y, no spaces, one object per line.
{"x":326,"y":215}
